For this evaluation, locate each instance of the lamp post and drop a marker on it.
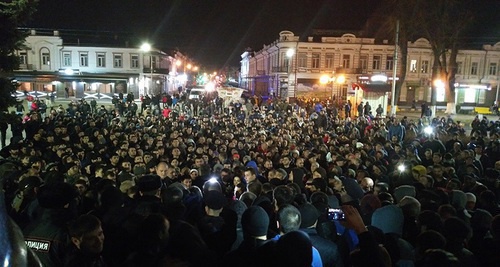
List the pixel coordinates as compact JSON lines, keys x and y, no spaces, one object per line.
{"x":339,"y":80}
{"x":289,"y":54}
{"x":146,"y":48}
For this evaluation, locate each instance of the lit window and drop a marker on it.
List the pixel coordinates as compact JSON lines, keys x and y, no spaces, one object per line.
{"x":469,"y":96}
{"x":413,"y":65}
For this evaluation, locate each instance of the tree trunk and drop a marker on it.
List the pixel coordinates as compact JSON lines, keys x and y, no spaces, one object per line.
{"x":451,"y":106}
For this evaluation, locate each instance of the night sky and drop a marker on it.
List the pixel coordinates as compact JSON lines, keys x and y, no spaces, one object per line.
{"x":213,"y":32}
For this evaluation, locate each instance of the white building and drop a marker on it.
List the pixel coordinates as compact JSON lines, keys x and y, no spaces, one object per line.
{"x":290,"y":67}
{"x":48,"y":63}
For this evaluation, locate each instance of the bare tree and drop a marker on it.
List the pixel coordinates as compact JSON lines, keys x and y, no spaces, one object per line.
{"x":444,"y":23}
{"x":383,"y":25}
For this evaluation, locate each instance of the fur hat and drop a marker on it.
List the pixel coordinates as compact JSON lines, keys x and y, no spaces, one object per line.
{"x":149,"y":182}
{"x":55,"y":195}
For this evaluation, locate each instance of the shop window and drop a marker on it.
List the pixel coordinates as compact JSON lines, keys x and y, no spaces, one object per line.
{"x":469,"y":96}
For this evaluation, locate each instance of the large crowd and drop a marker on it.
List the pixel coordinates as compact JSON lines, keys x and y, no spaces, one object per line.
{"x":177,"y":182}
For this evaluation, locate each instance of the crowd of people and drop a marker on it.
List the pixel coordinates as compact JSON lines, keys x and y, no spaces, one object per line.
{"x":251,"y":183}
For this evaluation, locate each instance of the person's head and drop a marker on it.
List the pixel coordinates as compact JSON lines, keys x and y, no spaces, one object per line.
{"x":294,"y":249}
{"x":87,"y":235}
{"x":186,"y":181}
{"x":367,"y":184}
{"x":289,"y":219}
{"x":255,"y":223}
{"x":282,"y":195}
{"x":161,"y":169}
{"x":250,"y":175}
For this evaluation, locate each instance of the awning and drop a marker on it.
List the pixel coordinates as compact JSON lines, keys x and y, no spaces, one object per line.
{"x":373,"y":87}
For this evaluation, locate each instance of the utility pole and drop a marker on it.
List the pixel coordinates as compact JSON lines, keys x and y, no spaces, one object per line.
{"x":394,"y":72}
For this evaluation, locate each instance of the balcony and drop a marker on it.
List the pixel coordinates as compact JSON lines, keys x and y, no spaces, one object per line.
{"x":155,"y":70}
{"x":26,"y":67}
{"x":283,"y":69}
{"x":351,"y":70}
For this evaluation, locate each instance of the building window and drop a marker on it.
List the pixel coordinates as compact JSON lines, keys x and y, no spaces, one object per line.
{"x":117,"y":60}
{"x":376,"y":62}
{"x":23,"y":57}
{"x":302,"y":60}
{"x":413,"y":65}
{"x":389,"y":63}
{"x":473,"y":68}
{"x":329,"y":61}
{"x":459,"y":67}
{"x":363,"y":62}
{"x":67,"y":59}
{"x":46,"y":58}
{"x":425,"y":66}
{"x":469,"y":96}
{"x":134,"y":61}
{"x":84,"y":59}
{"x":346,"y":61}
{"x":315,"y":60}
{"x":493,"y":69}
{"x":101,"y":60}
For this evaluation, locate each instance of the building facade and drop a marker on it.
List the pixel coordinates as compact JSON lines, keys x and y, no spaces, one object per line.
{"x":49,"y":65}
{"x":292,"y":68}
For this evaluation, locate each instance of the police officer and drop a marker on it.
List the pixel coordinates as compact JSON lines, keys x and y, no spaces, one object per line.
{"x":47,"y":236}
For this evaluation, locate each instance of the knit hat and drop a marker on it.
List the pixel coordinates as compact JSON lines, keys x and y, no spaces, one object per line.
{"x":352,"y":188}
{"x":149,"y":182}
{"x":309,"y":215}
{"x":420,"y":169}
{"x":55,"y":195}
{"x":214,"y":199}
{"x":320,"y":183}
{"x":255,"y":221}
{"x":403,"y":191}
{"x":389,"y":219}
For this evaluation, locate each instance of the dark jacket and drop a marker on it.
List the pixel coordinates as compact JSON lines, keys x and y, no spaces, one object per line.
{"x":328,"y":250}
{"x":48,"y":237}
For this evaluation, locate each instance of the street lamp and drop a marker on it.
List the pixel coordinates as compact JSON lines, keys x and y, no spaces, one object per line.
{"x":146,"y":48}
{"x":325,"y":79}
